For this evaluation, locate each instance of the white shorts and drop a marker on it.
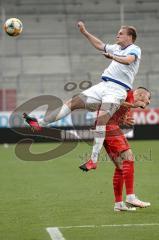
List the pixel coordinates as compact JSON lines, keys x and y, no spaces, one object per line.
{"x":106,"y":92}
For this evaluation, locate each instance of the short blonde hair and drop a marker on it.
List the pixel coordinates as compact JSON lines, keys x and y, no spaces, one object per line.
{"x":131,"y":31}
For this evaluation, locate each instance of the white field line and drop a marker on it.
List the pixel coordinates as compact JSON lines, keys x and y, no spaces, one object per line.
{"x":111,"y":225}
{"x":55,"y":233}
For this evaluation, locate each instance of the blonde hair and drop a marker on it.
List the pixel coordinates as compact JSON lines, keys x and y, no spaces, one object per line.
{"x":131,"y":31}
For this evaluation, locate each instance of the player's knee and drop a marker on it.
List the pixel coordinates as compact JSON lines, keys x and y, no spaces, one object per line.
{"x":103,"y":118}
{"x":116,"y":159}
{"x":75,"y":103}
{"x":109,"y":108}
{"x":118,"y":165}
{"x":90,"y":103}
{"x":117,"y":162}
{"x":127,"y":155}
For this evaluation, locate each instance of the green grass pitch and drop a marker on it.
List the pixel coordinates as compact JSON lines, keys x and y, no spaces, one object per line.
{"x":37,"y":195}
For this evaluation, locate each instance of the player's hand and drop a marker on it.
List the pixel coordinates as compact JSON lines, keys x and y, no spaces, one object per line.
{"x":129,"y":121}
{"x":81,"y":26}
{"x":134,"y":105}
{"x":139,"y":104}
{"x":108,"y":55}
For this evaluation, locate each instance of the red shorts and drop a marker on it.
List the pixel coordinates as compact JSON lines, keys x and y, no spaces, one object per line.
{"x":115,"y":141}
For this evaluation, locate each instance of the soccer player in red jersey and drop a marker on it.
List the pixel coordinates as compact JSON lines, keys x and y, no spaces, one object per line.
{"x":119,"y":150}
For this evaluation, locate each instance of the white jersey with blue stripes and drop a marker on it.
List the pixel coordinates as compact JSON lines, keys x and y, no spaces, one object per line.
{"x":121,"y":72}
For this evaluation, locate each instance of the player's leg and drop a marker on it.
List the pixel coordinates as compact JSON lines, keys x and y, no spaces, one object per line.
{"x":116,"y":143}
{"x":118,"y":181}
{"x":99,"y":132}
{"x":105,"y":113}
{"x":128,"y":170}
{"x":112,"y":97}
{"x":70,"y":105}
{"x":118,"y":185}
{"x":128,"y":176}
{"x":122,"y":157}
{"x":80,"y":101}
{"x":125,"y":161}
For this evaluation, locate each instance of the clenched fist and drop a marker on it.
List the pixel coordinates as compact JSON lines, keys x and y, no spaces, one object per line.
{"x":81,"y":26}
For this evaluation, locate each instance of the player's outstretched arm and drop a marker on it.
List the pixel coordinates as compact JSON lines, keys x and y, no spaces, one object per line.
{"x":96,"y":42}
{"x":134,"y":105}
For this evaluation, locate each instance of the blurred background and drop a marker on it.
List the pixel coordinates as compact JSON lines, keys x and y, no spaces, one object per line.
{"x":52,"y":57}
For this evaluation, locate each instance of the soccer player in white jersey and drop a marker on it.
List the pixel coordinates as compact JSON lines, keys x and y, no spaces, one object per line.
{"x":109,"y":94}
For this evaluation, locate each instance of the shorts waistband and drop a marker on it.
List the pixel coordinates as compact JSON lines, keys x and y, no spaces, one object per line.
{"x":115,"y":81}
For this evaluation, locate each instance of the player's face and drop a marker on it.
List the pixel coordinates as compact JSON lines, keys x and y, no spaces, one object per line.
{"x":142,"y":95}
{"x":123,"y":38}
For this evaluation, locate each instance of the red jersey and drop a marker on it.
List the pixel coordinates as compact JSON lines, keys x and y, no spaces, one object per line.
{"x":115,"y":141}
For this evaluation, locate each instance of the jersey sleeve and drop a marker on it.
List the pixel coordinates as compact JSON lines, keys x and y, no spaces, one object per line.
{"x":110,"y":48}
{"x":136,"y":51}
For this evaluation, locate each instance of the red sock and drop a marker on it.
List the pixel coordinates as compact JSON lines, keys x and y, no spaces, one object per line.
{"x":128,"y":176}
{"x":118,"y":184}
